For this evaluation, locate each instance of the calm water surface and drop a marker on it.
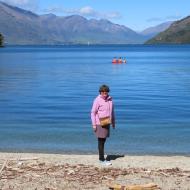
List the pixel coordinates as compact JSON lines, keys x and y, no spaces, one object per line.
{"x":46,"y":95}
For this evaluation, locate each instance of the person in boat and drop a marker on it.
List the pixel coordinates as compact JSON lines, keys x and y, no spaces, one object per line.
{"x":120,"y":60}
{"x":124,"y":60}
{"x":114,"y":60}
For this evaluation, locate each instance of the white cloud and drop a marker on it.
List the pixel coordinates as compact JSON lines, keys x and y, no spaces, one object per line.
{"x":86,"y":11}
{"x":113,"y":15}
{"x":25,"y":4}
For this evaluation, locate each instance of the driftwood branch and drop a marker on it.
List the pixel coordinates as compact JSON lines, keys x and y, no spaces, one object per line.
{"x":150,"y":186}
{"x":3,"y":166}
{"x":24,"y":159}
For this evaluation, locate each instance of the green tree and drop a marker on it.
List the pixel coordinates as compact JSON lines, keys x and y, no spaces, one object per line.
{"x":1,"y":40}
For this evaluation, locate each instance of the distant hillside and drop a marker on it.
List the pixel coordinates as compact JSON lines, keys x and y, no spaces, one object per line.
{"x":24,"y":27}
{"x":178,"y":32}
{"x":153,"y":31}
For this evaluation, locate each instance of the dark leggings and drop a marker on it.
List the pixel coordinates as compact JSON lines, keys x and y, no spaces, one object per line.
{"x":101,"y":142}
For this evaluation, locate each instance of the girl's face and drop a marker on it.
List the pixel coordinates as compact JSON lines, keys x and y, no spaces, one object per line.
{"x":104,"y":94}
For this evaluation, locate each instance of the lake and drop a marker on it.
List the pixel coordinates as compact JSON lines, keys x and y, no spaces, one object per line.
{"x":46,"y":94}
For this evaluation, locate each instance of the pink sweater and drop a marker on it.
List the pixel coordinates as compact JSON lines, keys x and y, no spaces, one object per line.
{"x":102,"y":108}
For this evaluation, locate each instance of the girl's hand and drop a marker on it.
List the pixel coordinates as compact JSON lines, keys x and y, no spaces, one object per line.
{"x":94,"y":128}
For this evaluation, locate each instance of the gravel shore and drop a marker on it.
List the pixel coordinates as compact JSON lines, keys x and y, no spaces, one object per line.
{"x":32,"y":171}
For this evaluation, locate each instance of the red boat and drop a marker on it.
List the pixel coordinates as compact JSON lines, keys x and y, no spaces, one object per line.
{"x":114,"y":61}
{"x":117,"y":61}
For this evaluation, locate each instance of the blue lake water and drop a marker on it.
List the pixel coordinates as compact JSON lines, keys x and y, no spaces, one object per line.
{"x":46,"y":94}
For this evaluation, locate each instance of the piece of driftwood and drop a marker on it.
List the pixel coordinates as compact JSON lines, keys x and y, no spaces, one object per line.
{"x":149,"y":186}
{"x":164,"y":174}
{"x":24,"y":159}
{"x":3,"y":166}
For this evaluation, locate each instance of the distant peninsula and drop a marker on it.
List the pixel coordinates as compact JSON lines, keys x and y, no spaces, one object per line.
{"x":177,"y":33}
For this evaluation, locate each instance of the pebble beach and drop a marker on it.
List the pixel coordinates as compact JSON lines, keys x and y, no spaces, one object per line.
{"x":33,"y":171}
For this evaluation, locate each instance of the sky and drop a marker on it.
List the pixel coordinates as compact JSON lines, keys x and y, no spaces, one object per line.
{"x":135,"y":14}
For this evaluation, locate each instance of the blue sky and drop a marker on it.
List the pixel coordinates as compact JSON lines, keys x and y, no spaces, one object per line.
{"x":135,"y":14}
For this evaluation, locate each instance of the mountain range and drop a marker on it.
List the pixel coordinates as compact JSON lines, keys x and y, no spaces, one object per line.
{"x":20,"y":26}
{"x":177,"y":33}
{"x":153,"y":31}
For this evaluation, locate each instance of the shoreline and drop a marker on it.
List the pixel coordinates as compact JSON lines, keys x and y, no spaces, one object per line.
{"x":92,"y":153}
{"x":28,"y":171}
{"x":121,"y":161}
